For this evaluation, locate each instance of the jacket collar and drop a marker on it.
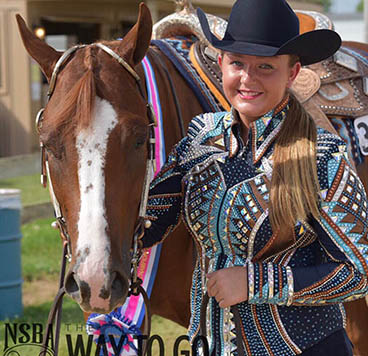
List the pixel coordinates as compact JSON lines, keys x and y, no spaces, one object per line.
{"x":262,"y":131}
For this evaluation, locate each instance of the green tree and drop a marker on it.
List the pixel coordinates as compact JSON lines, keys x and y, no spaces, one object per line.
{"x":326,"y":5}
{"x":360,"y":6}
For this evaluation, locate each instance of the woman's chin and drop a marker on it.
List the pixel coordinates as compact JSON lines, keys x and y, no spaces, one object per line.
{"x":248,"y":111}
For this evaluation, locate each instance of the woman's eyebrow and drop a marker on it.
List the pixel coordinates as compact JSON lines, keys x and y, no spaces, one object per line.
{"x":235,"y":56}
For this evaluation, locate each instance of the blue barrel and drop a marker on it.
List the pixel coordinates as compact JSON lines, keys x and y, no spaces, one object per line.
{"x":10,"y":254}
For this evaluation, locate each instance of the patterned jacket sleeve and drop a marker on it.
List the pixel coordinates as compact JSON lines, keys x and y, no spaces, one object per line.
{"x":342,"y":233}
{"x":164,"y":201}
{"x":164,"y":206}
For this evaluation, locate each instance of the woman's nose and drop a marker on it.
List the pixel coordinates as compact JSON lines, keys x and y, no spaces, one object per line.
{"x":247,"y":75}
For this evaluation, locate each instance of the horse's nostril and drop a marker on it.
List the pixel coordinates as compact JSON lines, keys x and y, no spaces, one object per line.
{"x":71,"y":285}
{"x":111,"y":293}
{"x":117,"y":286}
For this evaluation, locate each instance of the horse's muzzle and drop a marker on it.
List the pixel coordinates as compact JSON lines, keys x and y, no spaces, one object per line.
{"x":97,"y":297}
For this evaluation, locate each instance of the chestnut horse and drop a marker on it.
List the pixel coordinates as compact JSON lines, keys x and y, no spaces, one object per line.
{"x":95,"y":130}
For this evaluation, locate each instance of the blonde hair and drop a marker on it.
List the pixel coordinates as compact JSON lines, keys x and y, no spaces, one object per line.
{"x":294,"y":185}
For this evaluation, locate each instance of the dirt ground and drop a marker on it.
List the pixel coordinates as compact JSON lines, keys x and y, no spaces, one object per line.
{"x":39,"y":291}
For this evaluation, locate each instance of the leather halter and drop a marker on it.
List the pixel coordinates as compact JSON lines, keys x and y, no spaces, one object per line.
{"x":135,"y":287}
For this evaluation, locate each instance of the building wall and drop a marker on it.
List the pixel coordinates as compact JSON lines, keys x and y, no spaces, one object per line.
{"x":15,"y":116}
{"x":20,"y":78}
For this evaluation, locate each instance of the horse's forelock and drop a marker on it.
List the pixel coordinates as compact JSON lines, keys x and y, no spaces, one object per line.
{"x":75,"y":110}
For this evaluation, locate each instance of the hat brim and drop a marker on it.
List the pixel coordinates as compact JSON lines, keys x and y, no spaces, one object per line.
{"x":311,"y":47}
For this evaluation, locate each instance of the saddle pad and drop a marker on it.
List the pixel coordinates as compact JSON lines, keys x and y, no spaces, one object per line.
{"x":179,"y":55}
{"x":204,"y":60}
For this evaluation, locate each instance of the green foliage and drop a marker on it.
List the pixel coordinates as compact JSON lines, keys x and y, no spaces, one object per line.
{"x":360,"y":6}
{"x":31,"y":190}
{"x":326,"y":5}
{"x":41,"y":250}
{"x":38,"y":313}
{"x":169,"y":332}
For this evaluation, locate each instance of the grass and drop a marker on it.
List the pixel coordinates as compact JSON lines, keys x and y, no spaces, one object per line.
{"x":34,"y":319}
{"x":32,"y":191}
{"x":41,"y":250}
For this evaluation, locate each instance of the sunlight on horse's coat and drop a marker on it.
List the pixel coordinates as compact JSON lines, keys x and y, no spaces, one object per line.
{"x":93,"y":249}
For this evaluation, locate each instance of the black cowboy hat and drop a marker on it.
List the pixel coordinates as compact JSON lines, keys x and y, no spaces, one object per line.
{"x":269,"y":28}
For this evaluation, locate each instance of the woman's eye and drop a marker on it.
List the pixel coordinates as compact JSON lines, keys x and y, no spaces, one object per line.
{"x":237,"y":63}
{"x":266,"y":66}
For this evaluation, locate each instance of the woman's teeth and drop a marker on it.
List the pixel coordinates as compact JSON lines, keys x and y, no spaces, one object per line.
{"x":249,"y":93}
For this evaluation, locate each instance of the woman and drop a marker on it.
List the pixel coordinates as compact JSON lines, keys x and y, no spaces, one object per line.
{"x":277,"y":213}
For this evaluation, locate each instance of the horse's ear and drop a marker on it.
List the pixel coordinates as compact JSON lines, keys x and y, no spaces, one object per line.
{"x":40,"y":51}
{"x":135,"y":44}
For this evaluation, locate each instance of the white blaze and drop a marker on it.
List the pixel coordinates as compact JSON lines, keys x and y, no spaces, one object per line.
{"x":93,"y":247}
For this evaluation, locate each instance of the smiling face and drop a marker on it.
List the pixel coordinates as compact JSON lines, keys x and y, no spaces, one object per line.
{"x":255,"y":85}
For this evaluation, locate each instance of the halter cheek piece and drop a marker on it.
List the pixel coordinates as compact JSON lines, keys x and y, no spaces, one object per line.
{"x":60,"y":223}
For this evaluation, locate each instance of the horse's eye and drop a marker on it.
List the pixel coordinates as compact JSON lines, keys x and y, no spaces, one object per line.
{"x":139,"y":142}
{"x":56,"y":151}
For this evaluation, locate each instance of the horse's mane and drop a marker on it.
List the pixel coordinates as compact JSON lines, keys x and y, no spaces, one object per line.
{"x":75,"y":109}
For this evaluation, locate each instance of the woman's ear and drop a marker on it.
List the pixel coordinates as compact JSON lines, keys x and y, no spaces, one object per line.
{"x":219,"y":60}
{"x":294,"y":71}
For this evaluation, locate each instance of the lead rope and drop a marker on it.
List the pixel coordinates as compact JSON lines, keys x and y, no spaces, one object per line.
{"x":136,"y":288}
{"x":237,"y":321}
{"x":55,"y":311}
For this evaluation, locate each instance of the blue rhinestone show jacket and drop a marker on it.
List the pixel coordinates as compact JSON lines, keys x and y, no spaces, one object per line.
{"x":221,"y":187}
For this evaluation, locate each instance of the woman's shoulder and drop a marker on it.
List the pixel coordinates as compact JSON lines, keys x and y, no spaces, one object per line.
{"x":329,"y":142}
{"x":332,"y":158}
{"x":206,"y":123}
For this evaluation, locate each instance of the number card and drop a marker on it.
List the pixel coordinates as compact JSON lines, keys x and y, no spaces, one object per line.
{"x":361,"y":128}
